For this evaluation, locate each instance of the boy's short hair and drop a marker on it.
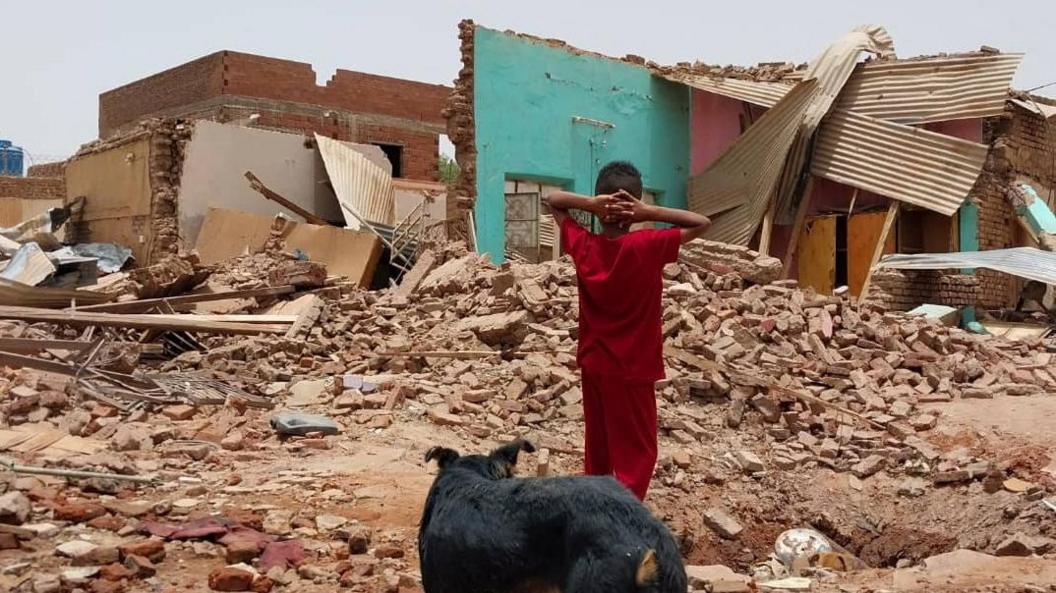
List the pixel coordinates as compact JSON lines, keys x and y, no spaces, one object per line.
{"x":619,"y":175}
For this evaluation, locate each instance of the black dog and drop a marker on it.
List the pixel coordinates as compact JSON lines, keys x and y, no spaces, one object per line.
{"x":484,"y":531}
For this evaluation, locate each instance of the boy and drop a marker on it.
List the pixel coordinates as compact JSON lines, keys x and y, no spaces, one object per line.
{"x":620,"y":342}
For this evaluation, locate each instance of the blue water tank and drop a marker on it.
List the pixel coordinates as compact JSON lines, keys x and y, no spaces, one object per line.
{"x":10,"y":159}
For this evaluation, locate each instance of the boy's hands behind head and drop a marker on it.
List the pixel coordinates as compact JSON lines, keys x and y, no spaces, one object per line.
{"x":611,"y":208}
{"x":633,"y":209}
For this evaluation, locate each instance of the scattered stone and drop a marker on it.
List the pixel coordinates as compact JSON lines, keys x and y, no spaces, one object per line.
{"x":8,"y":541}
{"x":241,"y":551}
{"x":359,"y":537}
{"x":234,"y":441}
{"x":141,"y":566}
{"x":116,"y":572}
{"x":749,"y":461}
{"x":868,"y":466}
{"x":329,"y":522}
{"x":78,"y":550}
{"x":231,"y":578}
{"x":47,"y":583}
{"x":388,"y":551}
{"x":1020,"y":544}
{"x":153,"y":549}
{"x":717,"y":578}
{"x":14,"y":508}
{"x":179,"y":412}
{"x":722,"y":523}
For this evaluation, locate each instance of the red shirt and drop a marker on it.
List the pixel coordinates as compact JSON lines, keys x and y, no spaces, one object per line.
{"x":620,"y":285}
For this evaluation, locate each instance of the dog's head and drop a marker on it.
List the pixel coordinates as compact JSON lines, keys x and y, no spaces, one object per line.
{"x":496,"y":465}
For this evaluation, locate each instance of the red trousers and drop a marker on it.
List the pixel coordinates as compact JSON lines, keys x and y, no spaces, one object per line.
{"x":620,"y":436}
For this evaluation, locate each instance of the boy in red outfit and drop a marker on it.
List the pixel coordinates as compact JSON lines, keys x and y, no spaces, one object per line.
{"x":620,"y":342}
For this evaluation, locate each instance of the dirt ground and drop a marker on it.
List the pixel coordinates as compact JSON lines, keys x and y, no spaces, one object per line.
{"x":378,"y":478}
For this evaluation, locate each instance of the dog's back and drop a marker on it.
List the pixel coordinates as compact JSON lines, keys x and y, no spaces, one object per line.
{"x":492,"y":534}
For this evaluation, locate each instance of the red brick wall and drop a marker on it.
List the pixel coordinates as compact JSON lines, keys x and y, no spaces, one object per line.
{"x":270,"y":83}
{"x":182,"y":85}
{"x":1022,"y":145}
{"x":903,"y":290}
{"x":283,"y":80}
{"x":33,"y":188}
{"x":234,"y":73}
{"x":56,"y":169}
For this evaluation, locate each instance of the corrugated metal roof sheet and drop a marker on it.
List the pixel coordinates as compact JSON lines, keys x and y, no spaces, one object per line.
{"x":361,"y":186}
{"x":748,"y":171}
{"x":1026,"y":262}
{"x":766,"y":94}
{"x":912,"y":165}
{"x":930,"y":89}
{"x":832,"y":69}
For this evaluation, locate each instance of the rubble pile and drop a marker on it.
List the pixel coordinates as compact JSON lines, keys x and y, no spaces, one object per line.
{"x":491,"y":349}
{"x":475,"y":351}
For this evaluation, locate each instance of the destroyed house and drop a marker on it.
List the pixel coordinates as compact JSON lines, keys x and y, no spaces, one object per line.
{"x":829,"y":166}
{"x":402,"y":117}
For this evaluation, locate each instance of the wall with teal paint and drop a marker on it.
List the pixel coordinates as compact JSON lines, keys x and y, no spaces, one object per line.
{"x":526,"y":94}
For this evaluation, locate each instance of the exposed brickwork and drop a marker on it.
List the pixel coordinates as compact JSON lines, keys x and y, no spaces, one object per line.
{"x":188,"y":83}
{"x":32,"y":188}
{"x":231,"y":86}
{"x":902,"y":290}
{"x":168,"y":139}
{"x":1021,"y":146}
{"x":283,"y":80}
{"x":461,"y":130}
{"x":56,"y":169}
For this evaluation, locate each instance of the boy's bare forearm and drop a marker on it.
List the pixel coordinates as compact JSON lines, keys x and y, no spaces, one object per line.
{"x":680,"y":218}
{"x":563,"y":200}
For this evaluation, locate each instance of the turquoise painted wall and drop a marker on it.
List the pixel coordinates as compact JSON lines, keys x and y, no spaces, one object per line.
{"x":526,"y":94}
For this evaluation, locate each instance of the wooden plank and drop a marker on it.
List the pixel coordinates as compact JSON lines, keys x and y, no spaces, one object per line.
{"x":767,"y":231}
{"x":797,"y":227}
{"x":889,"y":223}
{"x":139,"y":321}
{"x":147,"y":304}
{"x":230,"y":233}
{"x":306,"y":319}
{"x":863,"y":232}
{"x":31,"y":345}
{"x":263,"y":190}
{"x":816,"y":254}
{"x":425,"y":264}
{"x":17,"y":294}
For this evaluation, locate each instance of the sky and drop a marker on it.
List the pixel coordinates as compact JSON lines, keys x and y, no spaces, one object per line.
{"x":62,"y":54}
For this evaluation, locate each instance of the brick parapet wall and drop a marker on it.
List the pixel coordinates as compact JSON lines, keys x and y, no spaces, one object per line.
{"x":902,"y":290}
{"x":238,"y":74}
{"x":56,"y":169}
{"x":33,"y":188}
{"x":126,"y":105}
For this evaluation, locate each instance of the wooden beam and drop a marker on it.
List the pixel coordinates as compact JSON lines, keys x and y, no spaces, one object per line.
{"x":144,"y":305}
{"x":259,"y":187}
{"x":889,"y":222}
{"x":768,"y":229}
{"x":31,"y":345}
{"x":797,"y":227}
{"x":140,"y":321}
{"x":854,"y":198}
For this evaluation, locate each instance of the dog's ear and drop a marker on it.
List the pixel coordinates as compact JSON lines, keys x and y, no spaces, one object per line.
{"x":508,"y":453}
{"x":442,"y":455}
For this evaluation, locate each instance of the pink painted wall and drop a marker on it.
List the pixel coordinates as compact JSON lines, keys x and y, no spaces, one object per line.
{"x":715,"y":124}
{"x":965,"y":129}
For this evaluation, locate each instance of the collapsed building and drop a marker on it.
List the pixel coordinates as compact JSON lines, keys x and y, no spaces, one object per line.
{"x":402,"y":117}
{"x":817,"y":164}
